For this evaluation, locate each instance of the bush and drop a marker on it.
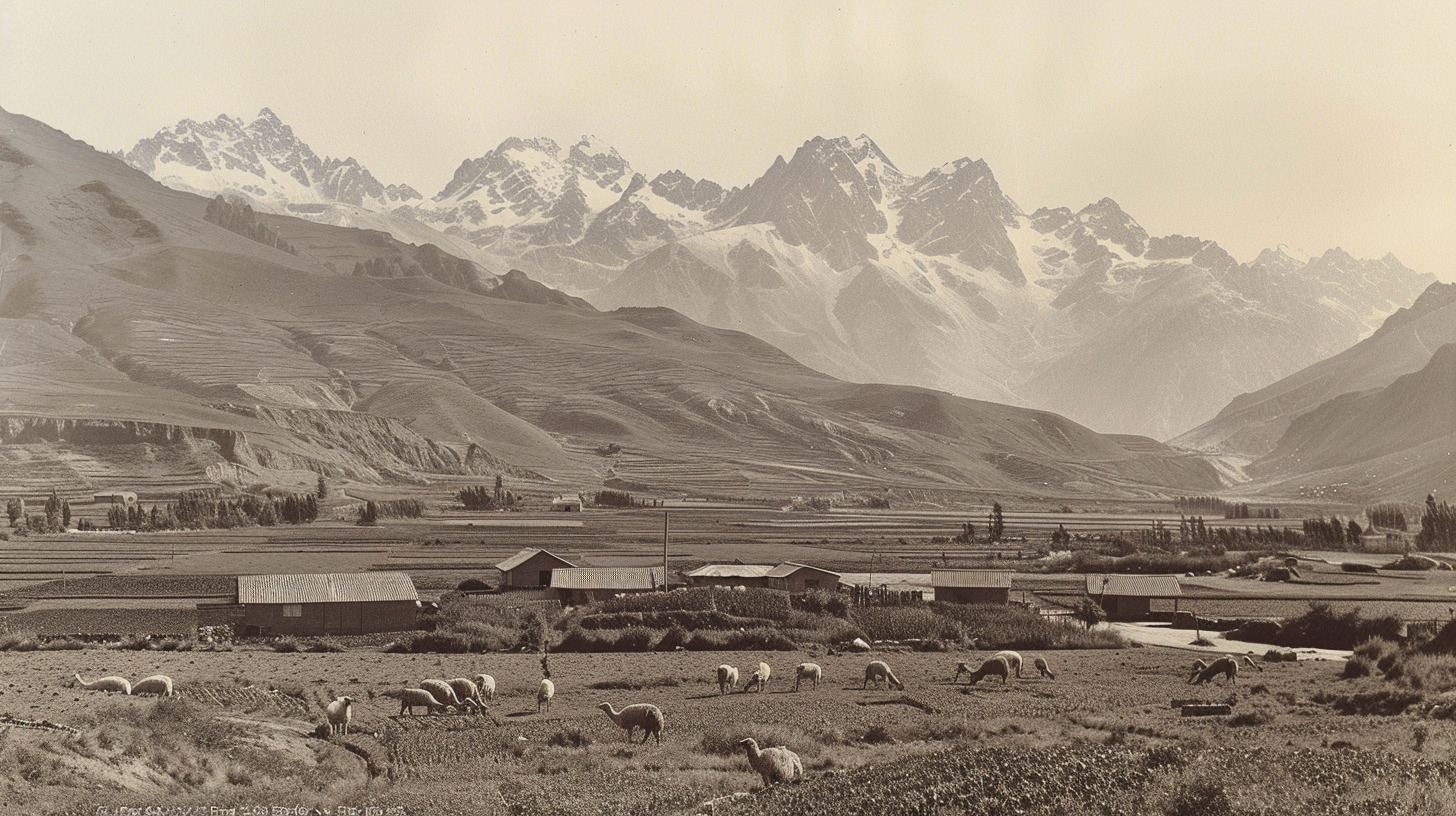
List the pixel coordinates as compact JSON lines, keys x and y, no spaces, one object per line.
{"x":760,"y":639}
{"x":1413,"y":563}
{"x":673,"y":638}
{"x":472,"y":585}
{"x":1323,"y":628}
{"x":19,"y":642}
{"x":285,"y":644}
{"x":1383,"y":702}
{"x":1016,"y":627}
{"x":1349,"y":566}
{"x":906,"y":623}
{"x":634,"y":639}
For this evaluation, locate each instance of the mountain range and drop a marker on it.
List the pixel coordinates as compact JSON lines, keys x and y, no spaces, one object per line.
{"x":1376,"y":420}
{"x":158,"y":339}
{"x":854,"y":267}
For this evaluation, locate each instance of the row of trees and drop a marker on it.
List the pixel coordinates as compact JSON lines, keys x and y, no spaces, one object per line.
{"x":480,"y":497}
{"x":372,"y":511}
{"x":1213,"y":506}
{"x":1387,"y":515}
{"x":1333,"y":532}
{"x":1438,"y":527}
{"x":210,"y":510}
{"x":55,"y":518}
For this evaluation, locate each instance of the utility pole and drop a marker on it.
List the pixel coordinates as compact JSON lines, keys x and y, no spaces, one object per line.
{"x":664,"y":550}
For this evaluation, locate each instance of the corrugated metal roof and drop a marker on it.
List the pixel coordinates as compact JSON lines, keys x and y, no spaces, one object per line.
{"x":788,"y":568}
{"x":731,"y":571}
{"x":1146,"y":586}
{"x":326,"y":588}
{"x":618,"y":578}
{"x":526,"y":555}
{"x":992,"y":579}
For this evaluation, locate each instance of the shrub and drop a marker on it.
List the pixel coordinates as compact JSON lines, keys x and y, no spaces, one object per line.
{"x":1016,"y":627}
{"x":19,"y":642}
{"x":673,"y":638}
{"x":1384,"y":702}
{"x":1350,"y":566}
{"x":322,"y":644}
{"x":906,"y":623}
{"x":472,"y":585}
{"x":1427,"y":672}
{"x":285,"y":644}
{"x":761,"y":638}
{"x":634,"y":639}
{"x":1357,"y":666}
{"x":1323,"y":628}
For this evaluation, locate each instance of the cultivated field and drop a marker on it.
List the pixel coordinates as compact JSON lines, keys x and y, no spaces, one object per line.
{"x":1102,"y":737}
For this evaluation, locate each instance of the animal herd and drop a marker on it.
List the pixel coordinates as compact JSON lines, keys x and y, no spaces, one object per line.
{"x":158,"y":684}
{"x":774,"y":764}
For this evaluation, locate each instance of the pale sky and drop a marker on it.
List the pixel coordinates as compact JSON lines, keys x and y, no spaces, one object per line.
{"x":1252,"y":124}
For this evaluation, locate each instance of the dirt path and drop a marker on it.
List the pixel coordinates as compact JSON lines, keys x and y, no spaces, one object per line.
{"x":1160,"y":634}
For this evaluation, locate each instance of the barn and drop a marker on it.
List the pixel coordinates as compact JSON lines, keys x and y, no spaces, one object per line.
{"x":530,"y":569}
{"x":348,"y":603}
{"x":578,"y":585}
{"x":796,"y":577}
{"x":966,"y":586}
{"x":729,"y":575}
{"x":1129,"y":597}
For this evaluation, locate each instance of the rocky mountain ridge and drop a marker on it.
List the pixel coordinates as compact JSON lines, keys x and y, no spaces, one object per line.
{"x":863,"y":271}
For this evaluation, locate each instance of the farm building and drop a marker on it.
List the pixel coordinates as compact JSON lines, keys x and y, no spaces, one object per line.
{"x":582,"y":584}
{"x":351,"y":603}
{"x":530,"y":568}
{"x":567,"y":504}
{"x":729,"y":575}
{"x":966,"y":586}
{"x":122,"y":497}
{"x":1129,"y":597}
{"x":800,"y":577}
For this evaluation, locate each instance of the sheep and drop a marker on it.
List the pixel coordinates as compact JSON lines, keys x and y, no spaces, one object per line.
{"x":996,"y":665}
{"x":486,"y":684}
{"x":441,"y":690}
{"x":340,"y":712}
{"x":467,"y":691}
{"x":807,"y":671}
{"x":1198,"y":667}
{"x":879,"y":670}
{"x":1227,"y":666}
{"x":158,"y":684}
{"x":544,"y":693}
{"x":1041,"y":666}
{"x":1250,"y":662}
{"x":117,"y":684}
{"x":773,"y":764}
{"x":759,"y":679}
{"x":645,"y":716}
{"x":411,"y":697}
{"x":727,"y":677}
{"x":1013,"y":661}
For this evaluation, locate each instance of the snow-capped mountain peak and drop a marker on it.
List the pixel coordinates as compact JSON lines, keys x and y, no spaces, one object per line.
{"x":263,"y":160}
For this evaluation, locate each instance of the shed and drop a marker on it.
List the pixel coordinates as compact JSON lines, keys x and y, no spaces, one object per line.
{"x":1129,"y":597}
{"x":966,"y":586}
{"x":567,"y":504}
{"x":729,"y":575}
{"x":348,"y":603}
{"x":122,"y":497}
{"x":576,"y":585}
{"x":796,"y":577}
{"x":530,"y":568}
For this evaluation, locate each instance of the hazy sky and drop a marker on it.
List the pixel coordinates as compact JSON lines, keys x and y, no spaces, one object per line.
{"x":1311,"y":124}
